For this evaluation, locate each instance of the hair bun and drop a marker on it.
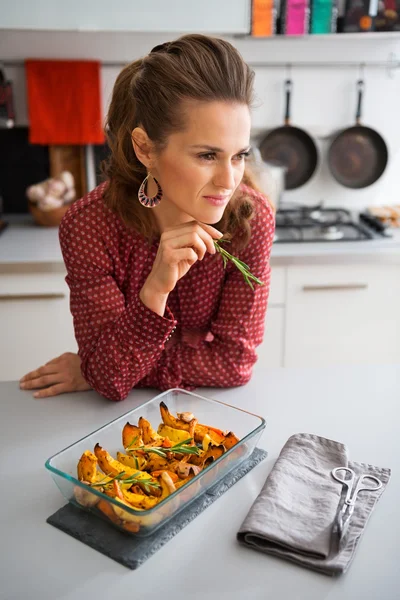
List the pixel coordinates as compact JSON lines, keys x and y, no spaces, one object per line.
{"x":161,"y":48}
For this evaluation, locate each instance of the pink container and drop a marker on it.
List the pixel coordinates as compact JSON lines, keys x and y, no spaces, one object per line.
{"x":296,"y":17}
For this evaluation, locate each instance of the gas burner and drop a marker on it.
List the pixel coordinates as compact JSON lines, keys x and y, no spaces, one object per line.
{"x":319,"y":216}
{"x":317,"y":224}
{"x":331,"y":233}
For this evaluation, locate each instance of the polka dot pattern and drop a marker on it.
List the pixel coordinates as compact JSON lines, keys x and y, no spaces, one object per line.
{"x":212,"y":324}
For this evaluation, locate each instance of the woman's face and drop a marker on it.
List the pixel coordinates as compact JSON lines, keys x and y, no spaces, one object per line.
{"x":201,"y":167}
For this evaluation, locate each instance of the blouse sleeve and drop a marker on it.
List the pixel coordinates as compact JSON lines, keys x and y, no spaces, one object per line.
{"x":238,"y":329}
{"x":119,"y":342}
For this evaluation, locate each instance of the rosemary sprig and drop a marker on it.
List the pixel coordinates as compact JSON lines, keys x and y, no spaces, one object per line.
{"x":132,"y":479}
{"x":135,"y":439}
{"x":180,"y":448}
{"x":243,"y":268}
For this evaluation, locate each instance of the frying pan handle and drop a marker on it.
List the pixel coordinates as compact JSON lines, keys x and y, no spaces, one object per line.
{"x":360,"y":90}
{"x":288,"y":92}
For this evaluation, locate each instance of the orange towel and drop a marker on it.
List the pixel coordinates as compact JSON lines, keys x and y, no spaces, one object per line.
{"x":64,"y":102}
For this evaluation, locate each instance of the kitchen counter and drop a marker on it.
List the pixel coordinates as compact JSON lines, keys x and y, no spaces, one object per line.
{"x":24,"y":243}
{"x":354,"y":405}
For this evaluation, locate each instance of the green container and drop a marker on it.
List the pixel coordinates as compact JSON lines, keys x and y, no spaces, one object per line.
{"x":323,"y":16}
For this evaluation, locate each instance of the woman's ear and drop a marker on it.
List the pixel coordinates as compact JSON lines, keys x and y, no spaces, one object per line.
{"x":142,"y":146}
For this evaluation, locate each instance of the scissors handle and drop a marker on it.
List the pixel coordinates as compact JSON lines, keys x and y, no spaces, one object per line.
{"x":376,"y":485}
{"x":342,"y":479}
{"x":336,"y":474}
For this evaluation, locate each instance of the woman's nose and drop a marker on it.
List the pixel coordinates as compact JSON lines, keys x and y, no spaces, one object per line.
{"x":225,"y":177}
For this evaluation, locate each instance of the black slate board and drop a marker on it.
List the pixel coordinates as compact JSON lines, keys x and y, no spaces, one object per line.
{"x":132,"y":551}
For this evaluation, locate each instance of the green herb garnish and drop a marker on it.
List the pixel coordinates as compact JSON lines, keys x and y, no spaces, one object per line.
{"x":180,"y":448}
{"x":132,"y":479}
{"x":135,"y":439}
{"x":243,"y":268}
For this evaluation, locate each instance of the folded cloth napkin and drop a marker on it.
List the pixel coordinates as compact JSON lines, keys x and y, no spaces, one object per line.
{"x":294,"y":515}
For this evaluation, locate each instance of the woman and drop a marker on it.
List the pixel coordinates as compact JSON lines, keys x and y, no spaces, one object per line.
{"x":152,"y":303}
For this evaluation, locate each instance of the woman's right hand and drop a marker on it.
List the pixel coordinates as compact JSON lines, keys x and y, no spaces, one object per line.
{"x":58,"y":376}
{"x":180,"y":247}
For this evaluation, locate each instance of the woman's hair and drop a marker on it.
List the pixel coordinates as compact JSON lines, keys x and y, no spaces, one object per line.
{"x":149,"y":93}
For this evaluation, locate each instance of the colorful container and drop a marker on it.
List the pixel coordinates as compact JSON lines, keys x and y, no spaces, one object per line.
{"x":295,"y":17}
{"x":324,"y":14}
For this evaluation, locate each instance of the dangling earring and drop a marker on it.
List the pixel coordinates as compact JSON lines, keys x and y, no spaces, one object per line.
{"x":146,"y":200}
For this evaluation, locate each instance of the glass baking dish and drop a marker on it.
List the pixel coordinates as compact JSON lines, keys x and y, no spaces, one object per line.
{"x":245,"y":425}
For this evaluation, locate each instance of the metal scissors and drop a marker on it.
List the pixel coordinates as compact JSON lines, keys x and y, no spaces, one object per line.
{"x":344,"y":516}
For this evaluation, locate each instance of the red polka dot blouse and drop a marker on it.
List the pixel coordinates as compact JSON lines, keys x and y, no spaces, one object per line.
{"x":213,"y":320}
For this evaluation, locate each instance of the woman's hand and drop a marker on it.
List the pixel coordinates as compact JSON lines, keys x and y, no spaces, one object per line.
{"x":180,"y":247}
{"x":58,"y":376}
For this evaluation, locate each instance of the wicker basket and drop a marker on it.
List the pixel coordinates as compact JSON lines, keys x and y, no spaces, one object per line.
{"x":48,"y":218}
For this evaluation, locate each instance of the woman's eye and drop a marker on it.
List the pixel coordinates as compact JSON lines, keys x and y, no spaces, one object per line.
{"x":242,"y":155}
{"x":207,"y":156}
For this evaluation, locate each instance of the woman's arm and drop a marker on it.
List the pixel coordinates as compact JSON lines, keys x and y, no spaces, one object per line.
{"x":121,"y":338}
{"x":119,"y":341}
{"x":238,"y":329}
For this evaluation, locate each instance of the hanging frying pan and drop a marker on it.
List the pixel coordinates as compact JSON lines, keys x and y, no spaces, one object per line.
{"x":291,"y":147}
{"x":358,"y":155}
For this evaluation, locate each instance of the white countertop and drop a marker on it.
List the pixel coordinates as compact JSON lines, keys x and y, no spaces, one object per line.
{"x":354,"y":405}
{"x":24,"y":243}
{"x":27,"y":244}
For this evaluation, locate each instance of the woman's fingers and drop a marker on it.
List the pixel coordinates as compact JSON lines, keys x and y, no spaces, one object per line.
{"x":54,"y":390}
{"x":47,"y":369}
{"x":211,"y":230}
{"x":181,"y":254}
{"x":41,"y":381}
{"x":190,"y":240}
{"x":206,"y":232}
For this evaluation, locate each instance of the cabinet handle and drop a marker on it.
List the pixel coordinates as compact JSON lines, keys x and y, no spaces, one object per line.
{"x":335,"y":287}
{"x":40,"y":296}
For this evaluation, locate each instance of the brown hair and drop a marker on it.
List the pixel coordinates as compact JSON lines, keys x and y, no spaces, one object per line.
{"x":149,"y":92}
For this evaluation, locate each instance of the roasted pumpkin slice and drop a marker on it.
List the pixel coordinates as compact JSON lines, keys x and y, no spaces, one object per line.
{"x":87,"y":467}
{"x":135,"y":462}
{"x":139,"y":500}
{"x":175,"y":435}
{"x":230,"y":441}
{"x":131,"y":436}
{"x":113,"y":467}
{"x":150,"y":435}
{"x":205,"y":458}
{"x":200,"y":431}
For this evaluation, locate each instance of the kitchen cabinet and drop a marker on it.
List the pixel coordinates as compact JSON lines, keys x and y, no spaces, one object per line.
{"x":35,"y":321}
{"x":270,"y":352}
{"x":342,"y":314}
{"x":208,"y":16}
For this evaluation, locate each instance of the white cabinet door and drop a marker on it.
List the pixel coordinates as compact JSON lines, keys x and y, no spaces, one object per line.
{"x":270,"y":353}
{"x":342,"y":315}
{"x":35,"y":322}
{"x":207,"y":16}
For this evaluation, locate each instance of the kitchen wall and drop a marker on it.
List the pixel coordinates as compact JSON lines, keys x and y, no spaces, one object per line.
{"x":324,"y":98}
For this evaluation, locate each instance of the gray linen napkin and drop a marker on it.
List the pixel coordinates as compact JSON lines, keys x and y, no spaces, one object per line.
{"x":293,"y":517}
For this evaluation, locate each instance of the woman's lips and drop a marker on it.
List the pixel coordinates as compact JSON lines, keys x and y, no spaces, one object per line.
{"x":217,"y":200}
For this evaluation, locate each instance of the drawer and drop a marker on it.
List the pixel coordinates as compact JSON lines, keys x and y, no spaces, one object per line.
{"x":33,"y":285}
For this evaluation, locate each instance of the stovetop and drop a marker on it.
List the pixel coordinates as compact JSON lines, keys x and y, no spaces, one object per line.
{"x":316,"y":224}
